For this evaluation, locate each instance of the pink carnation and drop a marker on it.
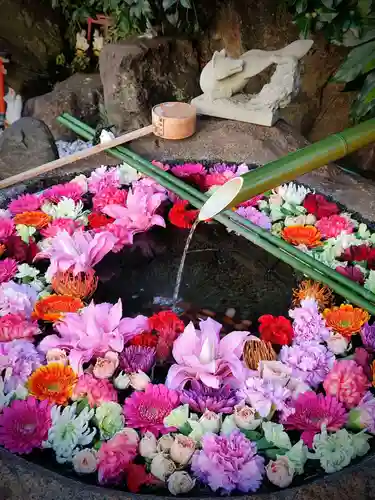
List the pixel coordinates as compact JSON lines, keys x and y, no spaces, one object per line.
{"x":95,"y":391}
{"x":56,"y":193}
{"x":334,"y":225}
{"x":8,"y":268}
{"x":24,"y":203}
{"x":102,"y":178}
{"x":253,"y":202}
{"x":109,"y":196}
{"x":68,"y":225}
{"x":188,"y":170}
{"x":347,"y":381}
{"x":163,"y":166}
{"x":115,"y":456}
{"x":16,"y":326}
{"x":123,"y":234}
{"x":217,"y":179}
{"x":6,"y":228}
{"x":146,"y":410}
{"x":24,"y":425}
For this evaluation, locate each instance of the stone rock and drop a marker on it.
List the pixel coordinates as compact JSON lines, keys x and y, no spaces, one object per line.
{"x":139,"y":73}
{"x":78,"y":95}
{"x":26,"y":143}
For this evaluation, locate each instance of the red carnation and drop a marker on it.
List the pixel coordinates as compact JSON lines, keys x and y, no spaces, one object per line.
{"x":181,"y":217}
{"x":168,"y":327}
{"x":277,"y":330}
{"x":97,"y":220}
{"x":371,"y":259}
{"x":352,"y":272}
{"x":136,"y":477}
{"x":356,"y":253}
{"x":145,"y":340}
{"x":318,"y":205}
{"x":21,"y":251}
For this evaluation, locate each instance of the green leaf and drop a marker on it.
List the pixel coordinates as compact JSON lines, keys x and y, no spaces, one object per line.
{"x":273,"y":452}
{"x":263,"y":444}
{"x":355,"y":63}
{"x":301,"y":6}
{"x":167,"y":4}
{"x":304,"y":25}
{"x":328,"y":3}
{"x":186,"y":4}
{"x":369,"y":66}
{"x":252,"y":435}
{"x":350,"y":38}
{"x":365,"y":101}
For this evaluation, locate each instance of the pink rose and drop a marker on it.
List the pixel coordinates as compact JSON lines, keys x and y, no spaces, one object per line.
{"x":57,"y":356}
{"x":182,"y":449}
{"x":105,"y":367}
{"x":280,"y":472}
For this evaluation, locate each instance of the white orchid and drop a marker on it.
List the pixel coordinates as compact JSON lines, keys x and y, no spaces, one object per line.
{"x":128,"y":174}
{"x":66,"y":208}
{"x":292,"y":193}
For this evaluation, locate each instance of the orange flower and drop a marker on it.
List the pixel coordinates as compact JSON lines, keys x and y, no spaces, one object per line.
{"x":54,"y":382}
{"x":53,"y":307}
{"x":36,"y":219}
{"x":2,"y":249}
{"x":82,"y":286}
{"x":302,"y":235}
{"x":346,"y":319}
{"x":313,"y":290}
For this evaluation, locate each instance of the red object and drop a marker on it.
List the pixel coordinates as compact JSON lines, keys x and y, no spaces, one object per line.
{"x":318,"y":205}
{"x":168,"y":326}
{"x":20,"y":250}
{"x":97,"y":220}
{"x":181,"y":217}
{"x":100,"y":20}
{"x":136,"y":477}
{"x":356,"y":253}
{"x":275,"y":329}
{"x":351,"y":272}
{"x":145,"y":340}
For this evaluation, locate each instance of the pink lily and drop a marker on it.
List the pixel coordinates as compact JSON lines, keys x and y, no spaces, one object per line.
{"x":201,"y":355}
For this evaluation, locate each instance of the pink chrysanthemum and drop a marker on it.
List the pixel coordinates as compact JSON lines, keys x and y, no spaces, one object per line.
{"x":24,"y":203}
{"x":6,"y":228}
{"x":115,"y":456}
{"x":103,"y":177}
{"x":24,"y":425}
{"x":333,"y":226}
{"x":109,"y":196}
{"x":146,"y":410}
{"x":94,"y":390}
{"x":347,"y":381}
{"x":188,"y":170}
{"x":311,"y":410}
{"x":8,"y":268}
{"x":68,"y":225}
{"x":16,"y":326}
{"x":56,"y":193}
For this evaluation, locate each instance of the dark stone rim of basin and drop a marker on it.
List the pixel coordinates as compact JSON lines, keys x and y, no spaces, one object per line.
{"x":17,"y":472}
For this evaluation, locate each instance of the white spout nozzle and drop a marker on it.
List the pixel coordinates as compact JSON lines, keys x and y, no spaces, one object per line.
{"x":221,"y":199}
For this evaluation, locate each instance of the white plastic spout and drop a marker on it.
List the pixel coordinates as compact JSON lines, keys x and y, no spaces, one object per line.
{"x":221,"y":199}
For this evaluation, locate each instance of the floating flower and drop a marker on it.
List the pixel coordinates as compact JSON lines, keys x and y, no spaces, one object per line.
{"x":201,"y":355}
{"x":25,"y":203}
{"x":312,"y":290}
{"x":229,"y":463}
{"x":180,"y":483}
{"x":363,"y":416}
{"x":352,"y":272}
{"x":105,"y":367}
{"x":94,"y":390}
{"x":24,"y":425}
{"x":7,"y":228}
{"x":109,"y":418}
{"x":335,"y":451}
{"x":54,"y":307}
{"x":8,"y":269}
{"x":37,"y":219}
{"x":54,"y":382}
{"x":356,"y":253}
{"x":109,"y":196}
{"x":302,"y":235}
{"x":69,"y":431}
{"x":245,"y":418}
{"x":293,"y":193}
{"x":103,"y":177}
{"x":191,"y":172}
{"x":115,"y":457}
{"x":265,"y":396}
{"x":275,"y":434}
{"x":146,"y":410}
{"x":18,"y":359}
{"x":255,"y":216}
{"x":334,"y":225}
{"x":277,"y":330}
{"x":146,"y":339}
{"x":15,"y":298}
{"x":346,"y":319}
{"x":180,"y":216}
{"x":256,"y":350}
{"x":57,"y":225}
{"x":98,"y":220}
{"x":66,"y":209}
{"x":85,"y":461}
{"x":56,"y":356}
{"x":300,"y":220}
{"x":337,"y":343}
{"x":311,"y":362}
{"x":162,"y":467}
{"x":280,"y":472}
{"x":21,"y":251}
{"x":57,"y":192}
{"x":16,"y":326}
{"x":182,"y":449}
{"x":368,"y":336}
{"x":136,"y":477}
{"x":308,"y":324}
{"x":311,"y":411}
{"x":201,"y":398}
{"x":168,"y":327}
{"x":347,"y":382}
{"x":318,"y":205}
{"x":81,"y":285}
{"x":134,"y":358}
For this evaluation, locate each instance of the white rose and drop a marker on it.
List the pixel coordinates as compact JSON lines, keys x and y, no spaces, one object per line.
{"x":280,"y":472}
{"x":162,"y":467}
{"x":210,"y":421}
{"x":275,"y":370}
{"x":182,"y":449}
{"x":337,"y":343}
{"x":244,"y":417}
{"x":165,"y":443}
{"x":122,"y":381}
{"x":139,"y":381}
{"x":131,"y":434}
{"x":147,"y":445}
{"x":180,"y":482}
{"x":228,"y":426}
{"x":275,"y":434}
{"x":85,"y":461}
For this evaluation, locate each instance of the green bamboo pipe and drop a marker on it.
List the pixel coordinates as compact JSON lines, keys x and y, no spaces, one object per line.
{"x":304,"y":160}
{"x":243,"y":227}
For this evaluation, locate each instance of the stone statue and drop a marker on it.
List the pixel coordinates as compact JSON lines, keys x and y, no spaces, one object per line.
{"x":223,"y":79}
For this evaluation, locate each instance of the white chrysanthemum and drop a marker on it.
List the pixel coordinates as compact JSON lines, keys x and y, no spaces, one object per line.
{"x":27,"y":271}
{"x":69,"y":431}
{"x":128,"y":174}
{"x":66,"y":208}
{"x":275,"y":434}
{"x":293,"y":194}
{"x":335,"y":451}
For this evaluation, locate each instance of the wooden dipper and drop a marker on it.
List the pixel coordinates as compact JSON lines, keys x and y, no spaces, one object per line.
{"x":174,"y":120}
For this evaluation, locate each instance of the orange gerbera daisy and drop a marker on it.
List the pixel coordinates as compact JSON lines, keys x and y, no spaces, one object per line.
{"x":36,"y":219}
{"x":309,"y":289}
{"x":54,"y":382}
{"x":2,"y":249}
{"x":82,"y":286}
{"x":346,"y":319}
{"x":302,"y":235}
{"x":53,"y":307}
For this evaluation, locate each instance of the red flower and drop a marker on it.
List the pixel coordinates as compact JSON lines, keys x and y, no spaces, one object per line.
{"x":181,"y":217}
{"x":351,"y":272}
{"x":145,"y":340}
{"x":21,"y":251}
{"x":168,"y":327}
{"x":318,"y":205}
{"x":136,"y":477}
{"x":371,"y":259}
{"x":356,"y":253}
{"x":97,"y":220}
{"x":277,"y":330}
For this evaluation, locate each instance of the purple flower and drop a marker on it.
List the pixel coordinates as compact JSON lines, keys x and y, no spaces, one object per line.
{"x":368,"y":336}
{"x":227,"y":463}
{"x":266,"y":395}
{"x":308,"y":324}
{"x":201,"y":398}
{"x":221,"y":168}
{"x":18,"y":359}
{"x":135,"y":358}
{"x":15,"y":298}
{"x":363,"y":416}
{"x":310,"y":362}
{"x":255,"y":216}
